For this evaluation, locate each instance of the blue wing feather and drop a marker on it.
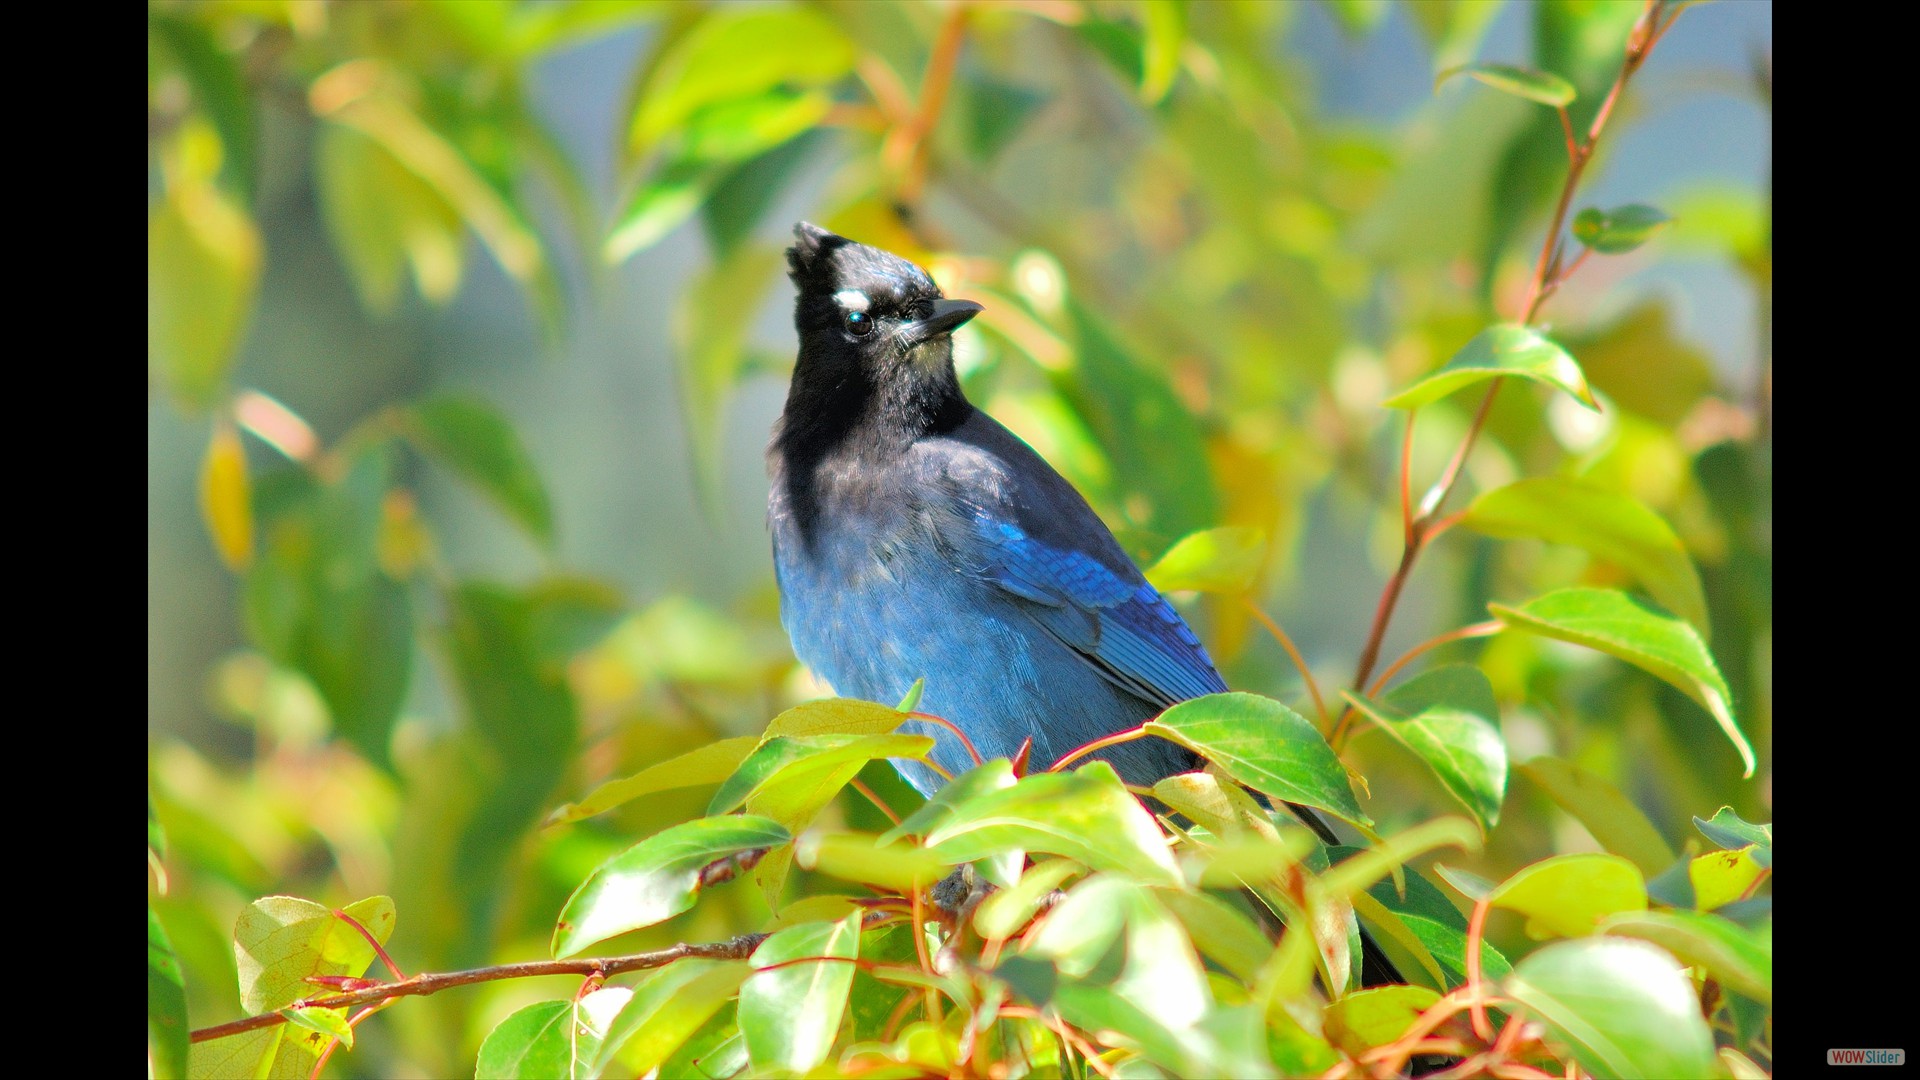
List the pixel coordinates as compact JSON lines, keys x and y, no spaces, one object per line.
{"x":1124,"y":627}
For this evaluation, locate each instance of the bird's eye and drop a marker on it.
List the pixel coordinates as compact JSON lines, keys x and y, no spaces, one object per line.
{"x":859,"y":323}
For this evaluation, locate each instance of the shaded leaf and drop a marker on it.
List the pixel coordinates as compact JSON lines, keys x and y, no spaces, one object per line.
{"x":219,"y":90}
{"x":166,"y":1004}
{"x":1496,"y":352}
{"x":550,"y":1039}
{"x":1624,"y":1008}
{"x":1541,"y":86}
{"x":471,"y":437}
{"x":1448,"y":718}
{"x":1621,"y":229}
{"x":1727,"y":830}
{"x":318,"y":601}
{"x":655,"y":879}
{"x":790,"y":1015}
{"x":1615,"y":528}
{"x":1608,"y":815}
{"x":1264,"y":745}
{"x":1641,"y":634}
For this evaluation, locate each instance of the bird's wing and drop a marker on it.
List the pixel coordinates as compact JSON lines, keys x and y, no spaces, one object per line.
{"x":1117,"y":621}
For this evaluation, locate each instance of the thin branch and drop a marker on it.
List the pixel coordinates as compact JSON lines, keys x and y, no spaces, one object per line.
{"x":1098,"y":744}
{"x":1293,"y":651}
{"x":1479,"y":629}
{"x":737,"y":948}
{"x":1546,"y":279}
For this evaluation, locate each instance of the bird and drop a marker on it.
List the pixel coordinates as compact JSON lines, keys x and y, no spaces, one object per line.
{"x":916,"y":538}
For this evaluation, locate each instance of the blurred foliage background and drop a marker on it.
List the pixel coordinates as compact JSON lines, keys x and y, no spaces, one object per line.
{"x":467,"y":324}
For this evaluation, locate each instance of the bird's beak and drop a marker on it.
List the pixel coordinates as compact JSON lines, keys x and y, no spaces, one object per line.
{"x":948,"y":316}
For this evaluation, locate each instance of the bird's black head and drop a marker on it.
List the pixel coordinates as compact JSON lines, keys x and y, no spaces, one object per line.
{"x":876,"y":351}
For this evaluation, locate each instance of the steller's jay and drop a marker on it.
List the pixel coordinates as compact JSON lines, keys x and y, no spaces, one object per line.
{"x":914,"y":537}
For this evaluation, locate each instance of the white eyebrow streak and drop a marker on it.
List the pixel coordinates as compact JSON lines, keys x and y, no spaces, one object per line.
{"x":852,"y":299}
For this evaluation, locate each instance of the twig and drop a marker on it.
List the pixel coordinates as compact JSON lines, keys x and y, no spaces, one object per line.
{"x":737,"y":948}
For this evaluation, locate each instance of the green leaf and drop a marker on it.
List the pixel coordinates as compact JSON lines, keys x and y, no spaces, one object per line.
{"x":1366,"y":1019}
{"x":1721,"y":877}
{"x":855,"y":857}
{"x":791,"y":777}
{"x":1166,"y":34}
{"x":166,"y":1002}
{"x":1501,"y":351}
{"x":203,"y":271}
{"x":791,"y":1015}
{"x":1114,"y":933}
{"x":736,"y":204}
{"x":1727,"y":830}
{"x":667,"y":198}
{"x":318,"y":600}
{"x":835,"y":716}
{"x":710,"y":341}
{"x":1741,"y":959}
{"x":1625,"y":1008}
{"x":1266,"y":746}
{"x":947,"y":802}
{"x":1005,"y":911}
{"x":1223,"y":560}
{"x":1569,"y":895}
{"x":1543,"y":87}
{"x":1085,"y":815}
{"x":1641,"y":634}
{"x":655,"y":879}
{"x":281,"y":1052}
{"x":471,"y":437}
{"x":1613,"y":527}
{"x":734,"y":53}
{"x":550,"y":1039}
{"x":1221,"y":806}
{"x":384,"y":218}
{"x":1156,"y":444}
{"x":379,"y":106}
{"x":1608,"y":814}
{"x":666,"y":1009}
{"x":1621,"y":229}
{"x":1219,"y":930}
{"x":994,"y":113}
{"x":226,"y":498}
{"x":709,"y":764}
{"x":1434,"y":921}
{"x":1449,"y":719}
{"x":329,"y":1022}
{"x":1466,"y":882}
{"x":219,"y":90}
{"x":279,"y":941}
